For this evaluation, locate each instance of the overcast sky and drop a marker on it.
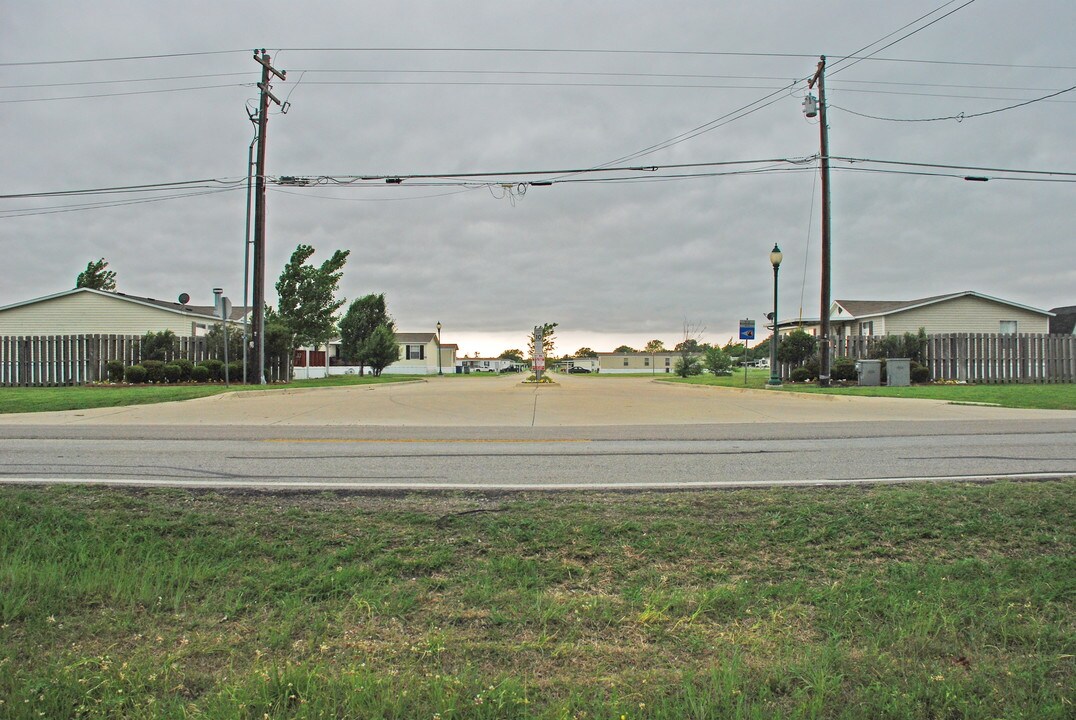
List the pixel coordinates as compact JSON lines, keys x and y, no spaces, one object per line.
{"x":612,"y":262}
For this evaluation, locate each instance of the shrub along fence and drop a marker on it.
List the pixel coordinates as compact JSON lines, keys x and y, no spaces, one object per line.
{"x":48,"y":360}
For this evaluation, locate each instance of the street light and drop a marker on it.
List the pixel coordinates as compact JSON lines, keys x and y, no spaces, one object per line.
{"x":775,"y":259}
{"x":439,"y":348}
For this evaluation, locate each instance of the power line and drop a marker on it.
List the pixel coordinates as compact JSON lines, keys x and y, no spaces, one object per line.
{"x":211,"y":183}
{"x":944,"y":166}
{"x":133,"y":92}
{"x":858,"y":59}
{"x":118,"y":59}
{"x":960,"y":117}
{"x":55,"y":209}
{"x":123,"y":81}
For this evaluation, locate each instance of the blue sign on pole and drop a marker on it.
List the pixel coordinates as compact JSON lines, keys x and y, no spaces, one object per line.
{"x":747,"y":329}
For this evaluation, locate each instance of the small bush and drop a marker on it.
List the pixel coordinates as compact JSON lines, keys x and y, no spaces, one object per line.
{"x":235,"y":371}
{"x":200,"y":373}
{"x":920,"y":373}
{"x":135,"y":374}
{"x":172,"y":372}
{"x":216,"y":369}
{"x":812,"y":367}
{"x":800,"y":374}
{"x":115,"y":370}
{"x":843,"y":369}
{"x":154,"y":370}
{"x":185,"y":367}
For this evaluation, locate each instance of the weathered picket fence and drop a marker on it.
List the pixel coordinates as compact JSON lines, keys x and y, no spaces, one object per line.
{"x":49,"y":360}
{"x":985,"y":357}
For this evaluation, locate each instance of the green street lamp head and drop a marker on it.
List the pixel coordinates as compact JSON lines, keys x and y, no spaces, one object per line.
{"x":438,"y":326}
{"x":776,"y":256}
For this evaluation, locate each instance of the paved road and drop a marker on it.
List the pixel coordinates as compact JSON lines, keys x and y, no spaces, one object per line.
{"x":495,"y":433}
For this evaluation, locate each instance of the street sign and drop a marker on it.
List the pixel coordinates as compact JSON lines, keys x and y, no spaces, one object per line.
{"x":747,"y":329}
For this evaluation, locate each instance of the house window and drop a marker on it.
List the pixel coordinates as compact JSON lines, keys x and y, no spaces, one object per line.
{"x":866,"y":328}
{"x":416,"y":352}
{"x":668,"y":362}
{"x":1007,"y":327}
{"x":646,"y":362}
{"x":625,"y":362}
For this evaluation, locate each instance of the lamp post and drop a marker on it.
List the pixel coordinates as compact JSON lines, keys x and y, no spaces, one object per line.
{"x":775,"y":259}
{"x":439,"y":348}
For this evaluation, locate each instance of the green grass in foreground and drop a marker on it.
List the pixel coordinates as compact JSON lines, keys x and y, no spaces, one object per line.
{"x":925,"y":601}
{"x":1044,"y":397}
{"x":43,"y":399}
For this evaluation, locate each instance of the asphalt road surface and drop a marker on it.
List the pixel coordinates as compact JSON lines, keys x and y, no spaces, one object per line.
{"x":494,"y":434}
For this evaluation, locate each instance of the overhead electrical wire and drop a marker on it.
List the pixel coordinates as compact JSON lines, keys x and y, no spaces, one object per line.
{"x":210,"y":183}
{"x":959,"y":117}
{"x":56,"y":209}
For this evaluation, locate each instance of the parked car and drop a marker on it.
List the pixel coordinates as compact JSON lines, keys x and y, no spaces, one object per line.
{"x":578,"y":369}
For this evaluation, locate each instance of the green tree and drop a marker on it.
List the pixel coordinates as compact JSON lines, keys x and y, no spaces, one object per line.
{"x":585,"y":352}
{"x":717,"y":360}
{"x":513,"y":354}
{"x":625,"y":349}
{"x":96,"y":276}
{"x":307,"y":296}
{"x":381,"y":349}
{"x":215,"y":342}
{"x":548,"y":340}
{"x":654,"y":346}
{"x":363,"y":316}
{"x":688,"y":365}
{"x":796,"y":347}
{"x":158,"y":345}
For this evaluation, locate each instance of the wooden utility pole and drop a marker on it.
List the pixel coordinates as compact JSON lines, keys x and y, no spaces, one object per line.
{"x":823,"y":341}
{"x":258,"y":323}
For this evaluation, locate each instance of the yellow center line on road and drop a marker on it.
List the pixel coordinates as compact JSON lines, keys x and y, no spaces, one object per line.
{"x":422,"y":440}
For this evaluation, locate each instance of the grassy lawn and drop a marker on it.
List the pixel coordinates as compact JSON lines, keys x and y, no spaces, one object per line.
{"x":925,"y":601}
{"x":22,"y":400}
{"x":1045,"y":397}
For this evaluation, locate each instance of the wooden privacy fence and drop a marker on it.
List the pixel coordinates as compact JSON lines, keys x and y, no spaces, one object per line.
{"x":44,"y":360}
{"x":985,"y":357}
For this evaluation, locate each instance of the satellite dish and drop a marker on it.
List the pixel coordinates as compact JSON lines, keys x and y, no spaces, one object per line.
{"x":184,"y":298}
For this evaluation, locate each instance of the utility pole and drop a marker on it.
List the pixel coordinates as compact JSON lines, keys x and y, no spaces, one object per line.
{"x":823,"y":342}
{"x":258,"y":324}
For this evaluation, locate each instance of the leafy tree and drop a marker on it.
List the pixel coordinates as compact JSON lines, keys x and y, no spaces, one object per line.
{"x":95,"y":276}
{"x":381,"y":349}
{"x":358,"y":324}
{"x":625,"y":349}
{"x":717,"y":360}
{"x":548,"y":340}
{"x":688,"y":365}
{"x":690,"y":345}
{"x":513,"y":354}
{"x":158,"y":345}
{"x":215,"y":342}
{"x":307,"y":296}
{"x":585,"y":352}
{"x":654,"y":346}
{"x":909,"y":345}
{"x":796,"y":347}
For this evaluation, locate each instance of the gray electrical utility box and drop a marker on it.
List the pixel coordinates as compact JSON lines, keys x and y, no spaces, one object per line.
{"x":898,"y":372}
{"x":870,"y":372}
